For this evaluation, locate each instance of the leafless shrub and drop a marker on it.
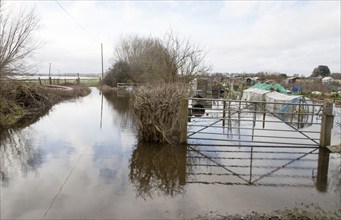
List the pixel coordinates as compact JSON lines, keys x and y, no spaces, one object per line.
{"x":156,"y":109}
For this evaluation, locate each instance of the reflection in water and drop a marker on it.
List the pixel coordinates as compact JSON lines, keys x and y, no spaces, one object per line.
{"x":120,"y":106}
{"x":322,"y":170}
{"x":82,"y":168}
{"x":257,"y":166}
{"x":158,"y":170}
{"x":17,"y":154}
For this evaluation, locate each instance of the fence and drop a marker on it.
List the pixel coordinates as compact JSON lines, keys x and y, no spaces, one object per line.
{"x":59,"y":81}
{"x":224,"y":122}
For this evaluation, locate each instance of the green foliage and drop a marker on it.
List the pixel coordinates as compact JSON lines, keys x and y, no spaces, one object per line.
{"x":10,"y":112}
{"x":334,"y":95}
{"x":321,"y":70}
{"x":120,"y":72}
{"x":19,"y":99}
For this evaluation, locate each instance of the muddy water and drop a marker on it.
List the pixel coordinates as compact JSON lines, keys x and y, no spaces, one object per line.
{"x":82,"y":161}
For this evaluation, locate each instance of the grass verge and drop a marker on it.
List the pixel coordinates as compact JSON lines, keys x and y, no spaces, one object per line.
{"x":21,"y":101}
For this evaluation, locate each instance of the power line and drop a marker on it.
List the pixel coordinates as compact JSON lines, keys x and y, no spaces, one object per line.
{"x":76,"y":22}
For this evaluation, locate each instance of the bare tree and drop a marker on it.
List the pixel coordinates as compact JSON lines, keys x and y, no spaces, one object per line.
{"x":170,"y":59}
{"x":16,"y":39}
{"x":183,"y":58}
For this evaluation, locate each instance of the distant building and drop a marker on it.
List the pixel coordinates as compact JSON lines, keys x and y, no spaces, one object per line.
{"x":201,"y":87}
{"x":291,"y":80}
{"x":327,"y":80}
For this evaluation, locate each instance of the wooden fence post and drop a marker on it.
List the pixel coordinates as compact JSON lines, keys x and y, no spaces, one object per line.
{"x":224,"y":112}
{"x":322,"y":170}
{"x":182,"y":165}
{"x":183,"y":121}
{"x":326,"y":124}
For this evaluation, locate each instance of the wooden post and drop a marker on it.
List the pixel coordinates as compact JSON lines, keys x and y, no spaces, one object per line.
{"x":239,"y":110}
{"x":255,"y":114}
{"x":312,"y":116}
{"x":322,"y":170}
{"x":299,"y":116}
{"x":254,"y":120}
{"x":39,"y":81}
{"x":229,"y":114}
{"x":264,"y":114}
{"x":224,"y":112}
{"x":326,"y":124}
{"x":183,"y":121}
{"x":182,"y":165}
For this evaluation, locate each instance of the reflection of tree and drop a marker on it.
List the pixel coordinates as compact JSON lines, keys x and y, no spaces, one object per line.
{"x":17,"y":153}
{"x":156,"y":169}
{"x":121,"y":106}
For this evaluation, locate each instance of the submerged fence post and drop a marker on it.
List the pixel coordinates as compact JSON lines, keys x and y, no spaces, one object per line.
{"x":229,"y":112}
{"x":183,"y":121}
{"x":322,"y":170}
{"x":326,"y":124}
{"x":299,"y":115}
{"x":224,"y":112}
{"x":182,"y":165}
{"x":264,"y":114}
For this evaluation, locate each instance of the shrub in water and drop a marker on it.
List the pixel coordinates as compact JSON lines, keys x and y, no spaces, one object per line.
{"x":156,"y":109}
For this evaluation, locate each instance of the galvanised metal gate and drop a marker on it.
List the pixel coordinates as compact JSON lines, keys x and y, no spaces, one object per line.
{"x":257,"y":123}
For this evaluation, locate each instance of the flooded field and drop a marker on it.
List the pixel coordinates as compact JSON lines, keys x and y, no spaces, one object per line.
{"x":82,"y":161}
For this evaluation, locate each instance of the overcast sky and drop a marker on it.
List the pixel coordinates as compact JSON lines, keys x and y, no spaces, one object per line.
{"x":290,"y":37}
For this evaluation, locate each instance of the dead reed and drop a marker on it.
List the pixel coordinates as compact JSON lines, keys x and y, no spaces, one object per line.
{"x":156,"y":109}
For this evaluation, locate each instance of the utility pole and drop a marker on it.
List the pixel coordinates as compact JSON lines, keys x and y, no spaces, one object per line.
{"x":50,"y":70}
{"x":102,"y":58}
{"x":50,"y":74}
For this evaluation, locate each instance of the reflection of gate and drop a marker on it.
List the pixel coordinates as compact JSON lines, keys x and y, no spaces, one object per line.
{"x":247,"y":123}
{"x":124,"y":88}
{"x":258,"y":166}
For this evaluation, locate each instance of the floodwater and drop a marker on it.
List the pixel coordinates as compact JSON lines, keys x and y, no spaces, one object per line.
{"x":82,"y":161}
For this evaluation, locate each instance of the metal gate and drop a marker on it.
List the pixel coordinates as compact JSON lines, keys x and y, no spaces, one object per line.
{"x":254,"y":123}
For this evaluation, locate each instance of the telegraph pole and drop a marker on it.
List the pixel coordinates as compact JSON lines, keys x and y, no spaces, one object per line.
{"x":102,"y":58}
{"x":50,"y":74}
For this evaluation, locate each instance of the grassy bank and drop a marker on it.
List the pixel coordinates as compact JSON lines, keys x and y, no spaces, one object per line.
{"x":21,"y":101}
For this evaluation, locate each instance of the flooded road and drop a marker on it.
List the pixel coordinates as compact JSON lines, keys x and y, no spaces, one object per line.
{"x":82,"y":161}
